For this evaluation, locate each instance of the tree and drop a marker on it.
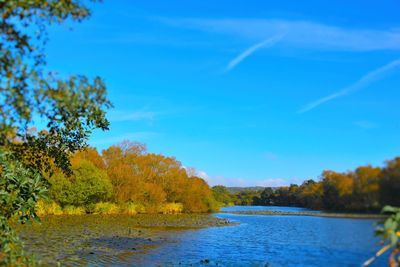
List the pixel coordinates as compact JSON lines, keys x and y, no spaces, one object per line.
{"x":89,"y":154}
{"x":221,"y":194}
{"x":71,"y":106}
{"x":124,"y":171}
{"x":366,"y":189}
{"x":267,"y":196}
{"x":197,"y":196}
{"x":310,"y":195}
{"x":88,"y":185}
{"x":337,"y":188}
{"x":390,"y":183}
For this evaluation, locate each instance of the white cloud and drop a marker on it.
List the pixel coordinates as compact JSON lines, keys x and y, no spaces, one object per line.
{"x":307,"y":34}
{"x":202,"y":174}
{"x":266,"y":43}
{"x":366,"y":80}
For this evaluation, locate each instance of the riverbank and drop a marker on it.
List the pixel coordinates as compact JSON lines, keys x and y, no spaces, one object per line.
{"x":305,"y":213}
{"x":102,"y":239}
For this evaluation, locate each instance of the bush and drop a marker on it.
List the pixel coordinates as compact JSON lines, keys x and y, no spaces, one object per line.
{"x":88,"y":185}
{"x":171,"y":208}
{"x":132,"y":209}
{"x":106,"y":208}
{"x":48,"y":208}
{"x":72,"y":210}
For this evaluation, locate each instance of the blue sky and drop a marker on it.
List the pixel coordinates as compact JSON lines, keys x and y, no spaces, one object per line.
{"x":248,"y":92}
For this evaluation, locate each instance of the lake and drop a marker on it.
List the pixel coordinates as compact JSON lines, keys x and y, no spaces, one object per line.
{"x":257,"y":240}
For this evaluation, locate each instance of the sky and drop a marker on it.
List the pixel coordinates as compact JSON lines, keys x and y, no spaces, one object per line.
{"x":248,"y":92}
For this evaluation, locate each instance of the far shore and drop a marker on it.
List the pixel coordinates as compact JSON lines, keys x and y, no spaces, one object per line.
{"x":305,"y":213}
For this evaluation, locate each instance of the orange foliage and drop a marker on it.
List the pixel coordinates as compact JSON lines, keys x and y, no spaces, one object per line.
{"x":153,"y":179}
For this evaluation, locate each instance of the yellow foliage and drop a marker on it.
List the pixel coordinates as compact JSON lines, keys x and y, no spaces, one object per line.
{"x":48,"y":208}
{"x":171,"y":208}
{"x":72,"y":210}
{"x":132,"y":209}
{"x":106,"y":208}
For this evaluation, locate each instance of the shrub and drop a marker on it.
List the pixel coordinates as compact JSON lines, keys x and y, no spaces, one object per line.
{"x":133,"y":209}
{"x":171,"y":208}
{"x":72,"y":210}
{"x":48,"y":208}
{"x":88,"y":185}
{"x":106,"y":208}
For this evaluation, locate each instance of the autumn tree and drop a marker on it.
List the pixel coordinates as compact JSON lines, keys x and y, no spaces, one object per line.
{"x":337,"y":188}
{"x":366,"y":189}
{"x":197,"y":196}
{"x":89,"y":154}
{"x":122,"y":168}
{"x":311,"y":194}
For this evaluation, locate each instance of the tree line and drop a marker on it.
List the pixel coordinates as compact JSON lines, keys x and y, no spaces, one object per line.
{"x":366,"y":189}
{"x":127,"y":175}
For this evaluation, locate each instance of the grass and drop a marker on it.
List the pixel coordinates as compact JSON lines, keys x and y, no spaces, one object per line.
{"x":107,"y":208}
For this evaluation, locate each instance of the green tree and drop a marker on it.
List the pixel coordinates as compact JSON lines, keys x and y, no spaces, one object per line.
{"x":267,"y":196}
{"x":390,"y":183}
{"x":20,"y":189}
{"x":71,"y":106}
{"x":88,"y":185}
{"x":221,"y":194}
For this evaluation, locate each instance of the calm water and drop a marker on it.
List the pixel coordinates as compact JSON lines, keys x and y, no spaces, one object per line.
{"x":274,"y":240}
{"x":268,"y":208}
{"x":257,"y":241}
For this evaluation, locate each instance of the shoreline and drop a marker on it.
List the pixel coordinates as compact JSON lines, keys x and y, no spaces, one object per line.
{"x":314,"y":214}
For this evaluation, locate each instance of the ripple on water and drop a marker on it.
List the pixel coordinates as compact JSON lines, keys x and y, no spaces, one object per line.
{"x":256,"y":241}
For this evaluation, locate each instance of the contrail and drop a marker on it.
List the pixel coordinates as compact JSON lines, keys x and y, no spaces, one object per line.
{"x":366,"y":80}
{"x":266,"y":43}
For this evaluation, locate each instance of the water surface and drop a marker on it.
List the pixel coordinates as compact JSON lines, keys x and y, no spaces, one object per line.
{"x":262,"y":240}
{"x":258,"y":240}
